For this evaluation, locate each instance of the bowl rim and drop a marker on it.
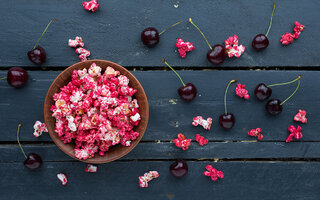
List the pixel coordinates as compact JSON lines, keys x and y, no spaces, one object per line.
{"x":59,"y":142}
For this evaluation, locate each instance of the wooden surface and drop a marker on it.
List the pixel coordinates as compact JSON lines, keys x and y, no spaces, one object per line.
{"x":267,"y":169}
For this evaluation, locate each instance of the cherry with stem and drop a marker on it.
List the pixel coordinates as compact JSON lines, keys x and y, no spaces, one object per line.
{"x":33,"y":161}
{"x":16,"y":77}
{"x":187,"y":91}
{"x":274,"y":106}
{"x":217,"y":53}
{"x":261,"y":41}
{"x":151,"y":37}
{"x":227,"y":120}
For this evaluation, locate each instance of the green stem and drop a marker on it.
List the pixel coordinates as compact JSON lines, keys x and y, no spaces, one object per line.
{"x":286,"y":83}
{"x":170,"y":27}
{"x":292,"y":93}
{"x":44,"y":32}
{"x":274,"y":6}
{"x":18,"y":131}
{"x":190,"y":20}
{"x":165,"y":62}
{"x":225,"y":95}
{"x":3,"y":78}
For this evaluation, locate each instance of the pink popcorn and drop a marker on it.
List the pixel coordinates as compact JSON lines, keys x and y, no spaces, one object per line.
{"x":294,"y":133}
{"x":256,"y":133}
{"x":90,"y":5}
{"x":297,"y":29}
{"x":241,"y":91}
{"x":77,"y":42}
{"x":143,"y":180}
{"x":184,"y":47}
{"x":83,"y":53}
{"x":232,"y":47}
{"x":301,"y":116}
{"x":213,"y":173}
{"x":182,"y":142}
{"x":39,"y":128}
{"x":287,"y":39}
{"x":94,"y":70}
{"x":63,"y":178}
{"x":201,"y":140}
{"x":206,"y":124}
{"x":91,"y":168}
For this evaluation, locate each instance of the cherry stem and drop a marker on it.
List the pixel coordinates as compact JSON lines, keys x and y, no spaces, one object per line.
{"x":190,"y":20}
{"x":165,"y":62}
{"x":170,"y":27}
{"x":292,"y":93}
{"x":3,"y":78}
{"x":18,"y":131}
{"x":225,"y":95}
{"x":274,"y":6}
{"x":44,"y":32}
{"x":286,"y":83}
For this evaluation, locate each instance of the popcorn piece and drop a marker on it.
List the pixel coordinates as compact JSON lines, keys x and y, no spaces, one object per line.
{"x":213,"y":173}
{"x":143,"y":180}
{"x":206,"y":124}
{"x":182,"y":142}
{"x":232,"y":47}
{"x":287,"y":39}
{"x":63,"y":178}
{"x":77,"y":42}
{"x":201,"y":140}
{"x":90,"y":5}
{"x":294,"y":132}
{"x":39,"y":128}
{"x":256,"y":133}
{"x":184,"y":47}
{"x":241,"y":91}
{"x":94,"y":70}
{"x":301,"y":116}
{"x":91,"y":168}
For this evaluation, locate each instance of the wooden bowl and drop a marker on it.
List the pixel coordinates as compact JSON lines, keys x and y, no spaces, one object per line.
{"x":115,"y":152}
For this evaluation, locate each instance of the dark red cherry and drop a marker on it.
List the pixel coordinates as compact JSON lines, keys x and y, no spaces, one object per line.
{"x":188,"y":92}
{"x":17,"y":77}
{"x":217,"y":54}
{"x":227,"y":121}
{"x":262,"y":92}
{"x":37,"y":55}
{"x":179,"y":168}
{"x":260,"y":42}
{"x":33,"y":161}
{"x":150,"y":37}
{"x":274,"y":107}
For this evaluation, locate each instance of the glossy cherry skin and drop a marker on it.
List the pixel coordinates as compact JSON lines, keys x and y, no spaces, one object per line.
{"x":17,"y":77}
{"x":274,"y":107}
{"x":227,"y":121}
{"x":262,"y":92}
{"x":260,"y":42}
{"x":188,"y":92}
{"x":37,"y":55}
{"x":33,"y":161}
{"x":150,"y":37}
{"x":179,"y":168}
{"x":217,"y":54}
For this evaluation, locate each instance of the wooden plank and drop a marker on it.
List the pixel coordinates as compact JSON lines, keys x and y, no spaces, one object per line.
{"x":26,"y":105}
{"x":113,"y":32}
{"x":166,"y":150}
{"x":119,"y":180}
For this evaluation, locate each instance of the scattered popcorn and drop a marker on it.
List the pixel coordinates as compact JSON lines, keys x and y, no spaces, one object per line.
{"x":206,"y":124}
{"x":294,"y":132}
{"x":256,"y":133}
{"x":63,"y":178}
{"x":184,"y":47}
{"x":288,"y":38}
{"x":90,"y":5}
{"x":91,"y":168}
{"x":143,"y":180}
{"x":95,"y":111}
{"x":201,"y":140}
{"x":182,"y":142}
{"x":39,"y":128}
{"x":83,"y":53}
{"x":213,"y":173}
{"x":77,"y":42}
{"x":241,"y":91}
{"x":301,"y":116}
{"x":232,"y":47}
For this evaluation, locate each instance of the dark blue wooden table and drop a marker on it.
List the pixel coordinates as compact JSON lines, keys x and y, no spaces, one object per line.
{"x":267,"y":169}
